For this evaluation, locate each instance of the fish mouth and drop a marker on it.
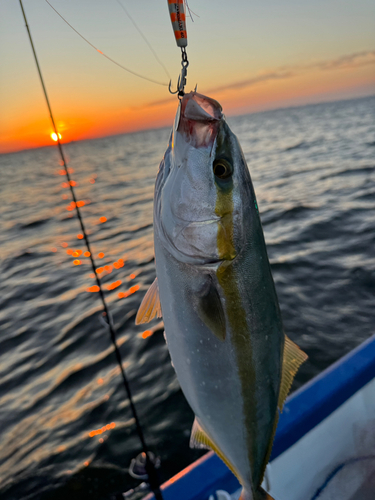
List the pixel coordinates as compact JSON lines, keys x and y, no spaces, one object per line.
{"x":199,"y":119}
{"x":199,"y":107}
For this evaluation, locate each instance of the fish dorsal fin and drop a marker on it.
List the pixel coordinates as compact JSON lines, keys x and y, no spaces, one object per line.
{"x":292,"y":360}
{"x":210,"y":311}
{"x":200,"y":439}
{"x":150,"y":307}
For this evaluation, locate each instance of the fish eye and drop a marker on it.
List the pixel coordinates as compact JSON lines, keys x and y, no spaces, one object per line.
{"x":222,"y":169}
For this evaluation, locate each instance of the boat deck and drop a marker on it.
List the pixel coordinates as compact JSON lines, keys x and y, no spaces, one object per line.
{"x":367,"y":490}
{"x":344,"y":481}
{"x":355,"y":481}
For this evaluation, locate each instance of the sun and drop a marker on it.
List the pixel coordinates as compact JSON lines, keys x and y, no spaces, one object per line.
{"x":54,"y":136}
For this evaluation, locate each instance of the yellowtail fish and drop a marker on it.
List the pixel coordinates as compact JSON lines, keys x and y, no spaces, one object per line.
{"x":214,"y":286}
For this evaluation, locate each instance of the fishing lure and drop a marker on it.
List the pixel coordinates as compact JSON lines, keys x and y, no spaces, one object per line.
{"x":178,"y":18}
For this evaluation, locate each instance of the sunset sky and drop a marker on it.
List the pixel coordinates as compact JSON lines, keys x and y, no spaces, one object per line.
{"x":250,"y":55}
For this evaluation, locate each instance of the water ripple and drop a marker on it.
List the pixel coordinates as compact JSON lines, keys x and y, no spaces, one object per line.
{"x":66,"y":426}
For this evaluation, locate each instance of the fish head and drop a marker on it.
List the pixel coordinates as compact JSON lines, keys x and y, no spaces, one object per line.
{"x":203,"y":186}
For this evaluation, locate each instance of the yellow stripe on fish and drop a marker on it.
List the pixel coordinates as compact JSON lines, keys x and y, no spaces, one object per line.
{"x":235,"y":313}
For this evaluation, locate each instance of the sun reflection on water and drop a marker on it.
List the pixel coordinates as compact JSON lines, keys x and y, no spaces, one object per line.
{"x":105,"y":428}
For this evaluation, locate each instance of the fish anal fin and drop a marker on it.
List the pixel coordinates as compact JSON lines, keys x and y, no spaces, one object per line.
{"x":210,"y":311}
{"x":150,"y":307}
{"x":200,"y":439}
{"x":292,"y":360}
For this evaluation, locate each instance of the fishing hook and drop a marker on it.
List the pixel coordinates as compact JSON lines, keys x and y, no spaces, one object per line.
{"x":181,"y":83}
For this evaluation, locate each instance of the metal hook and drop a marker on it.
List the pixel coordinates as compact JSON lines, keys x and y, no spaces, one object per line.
{"x":178,"y":87}
{"x":181,"y":83}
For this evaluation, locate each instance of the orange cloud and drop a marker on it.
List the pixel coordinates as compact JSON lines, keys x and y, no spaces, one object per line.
{"x":350,"y":75}
{"x":346,"y":76}
{"x":348,"y":61}
{"x":354,"y":60}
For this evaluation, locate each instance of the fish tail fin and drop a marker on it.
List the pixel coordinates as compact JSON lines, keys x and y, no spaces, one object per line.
{"x":244,"y":495}
{"x":260,"y":494}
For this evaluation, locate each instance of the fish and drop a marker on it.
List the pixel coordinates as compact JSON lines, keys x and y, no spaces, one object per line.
{"x":215,"y":292}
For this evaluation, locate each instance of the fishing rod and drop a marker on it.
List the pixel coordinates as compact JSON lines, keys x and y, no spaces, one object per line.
{"x":153,"y":479}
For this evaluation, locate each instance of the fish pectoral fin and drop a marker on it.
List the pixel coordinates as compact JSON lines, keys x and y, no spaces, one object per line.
{"x":292,"y":360}
{"x":200,"y":439}
{"x":210,"y":311}
{"x":150,"y":307}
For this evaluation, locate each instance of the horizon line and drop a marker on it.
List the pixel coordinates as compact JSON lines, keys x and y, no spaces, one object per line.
{"x":135,"y":131}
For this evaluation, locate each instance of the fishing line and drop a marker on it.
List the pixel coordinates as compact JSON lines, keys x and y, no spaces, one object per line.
{"x":144,"y":38}
{"x":191,"y":12}
{"x":105,"y":55}
{"x":150,"y":468}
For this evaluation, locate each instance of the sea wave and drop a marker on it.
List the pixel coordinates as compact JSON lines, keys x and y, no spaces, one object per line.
{"x":66,"y":427}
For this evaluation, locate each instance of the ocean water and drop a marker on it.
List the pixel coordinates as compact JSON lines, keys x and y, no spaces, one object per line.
{"x":66,"y":429}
